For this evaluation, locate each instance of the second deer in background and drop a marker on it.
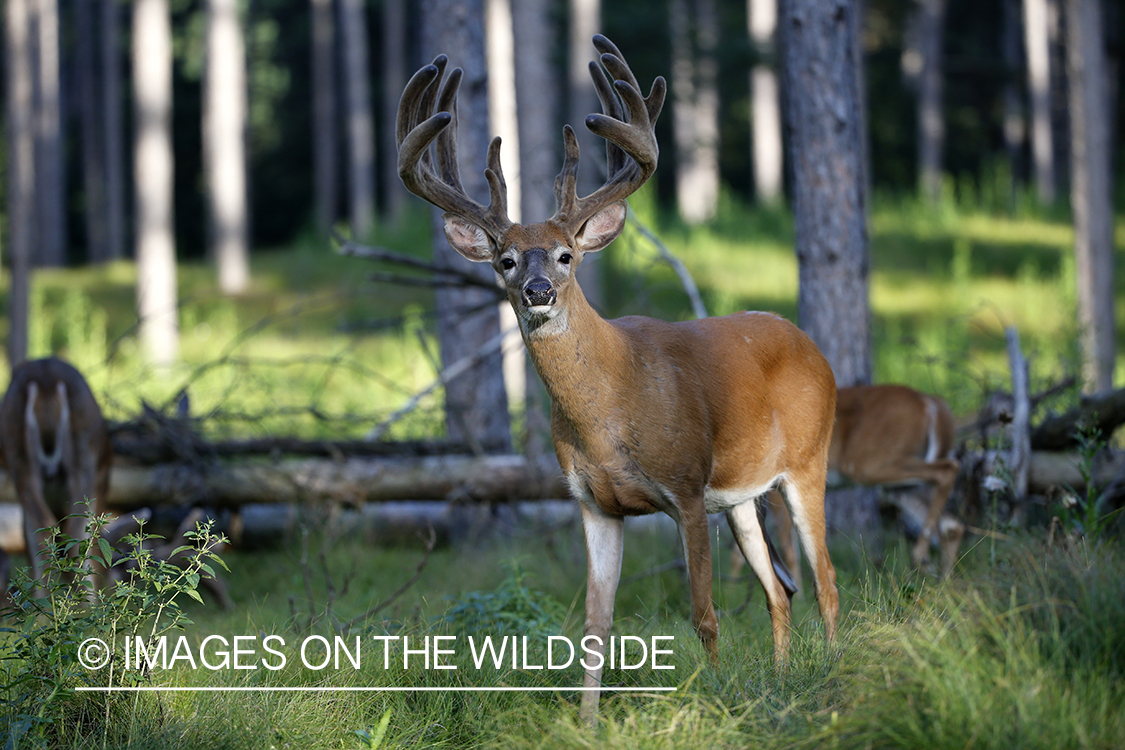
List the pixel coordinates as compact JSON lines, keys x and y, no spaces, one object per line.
{"x":892,"y":435}
{"x":56,"y":448}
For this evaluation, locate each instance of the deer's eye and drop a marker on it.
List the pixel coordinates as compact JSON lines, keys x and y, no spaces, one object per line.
{"x":565,"y":259}
{"x":507,"y":264}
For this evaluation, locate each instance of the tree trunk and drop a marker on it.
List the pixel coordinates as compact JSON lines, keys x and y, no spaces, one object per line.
{"x":1037,"y":41}
{"x":153,"y":164}
{"x":50,"y":190}
{"x":538,"y":105}
{"x":822,"y":118}
{"x":325,"y":143}
{"x":1014,"y":128}
{"x":224,"y":147}
{"x":585,"y":21}
{"x":822,"y":67}
{"x":540,"y":136}
{"x":21,"y":170}
{"x":500,"y":61}
{"x":87,"y":72}
{"x":112,"y":130}
{"x":695,"y":108}
{"x":1091,"y":189}
{"x":765,"y":107}
{"x":931,"y":120}
{"x":476,"y":403}
{"x":502,"y":113}
{"x":394,"y":75}
{"x":360,"y":119}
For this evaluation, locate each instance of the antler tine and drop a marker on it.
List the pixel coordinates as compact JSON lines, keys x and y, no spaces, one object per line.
{"x":566,"y":184}
{"x":446,"y":144}
{"x":497,"y":187}
{"x":611,"y":106}
{"x":418,"y":127}
{"x":627,"y":123}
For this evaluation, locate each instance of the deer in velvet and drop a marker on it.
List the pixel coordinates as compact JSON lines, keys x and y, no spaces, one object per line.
{"x":686,"y":418}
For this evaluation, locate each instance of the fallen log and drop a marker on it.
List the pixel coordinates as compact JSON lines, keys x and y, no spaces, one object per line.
{"x":352,"y":480}
{"x":277,"y":488}
{"x":1060,"y":432}
{"x":1056,"y":469}
{"x":356,"y":480}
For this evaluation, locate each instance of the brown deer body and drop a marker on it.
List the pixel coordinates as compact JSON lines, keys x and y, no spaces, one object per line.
{"x":55,"y":447}
{"x":893,"y":435}
{"x":685,"y":418}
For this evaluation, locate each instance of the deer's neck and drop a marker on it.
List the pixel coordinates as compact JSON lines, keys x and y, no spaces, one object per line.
{"x":581,"y":359}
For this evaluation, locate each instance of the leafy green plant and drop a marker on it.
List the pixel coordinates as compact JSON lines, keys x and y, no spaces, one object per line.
{"x":1081,"y":512}
{"x":373,"y":740}
{"x":511,"y":608}
{"x":47,"y":651}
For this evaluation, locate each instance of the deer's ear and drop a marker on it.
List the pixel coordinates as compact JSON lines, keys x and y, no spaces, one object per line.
{"x":602,"y":228}
{"x":468,"y":238}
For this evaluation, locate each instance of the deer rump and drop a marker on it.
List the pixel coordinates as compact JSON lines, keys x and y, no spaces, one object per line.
{"x":55,"y":446}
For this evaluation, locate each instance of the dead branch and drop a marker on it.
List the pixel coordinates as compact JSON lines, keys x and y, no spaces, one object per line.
{"x":690,"y":288}
{"x":458,"y":276}
{"x":1021,"y":415}
{"x":430,"y":543}
{"x":453,"y":371}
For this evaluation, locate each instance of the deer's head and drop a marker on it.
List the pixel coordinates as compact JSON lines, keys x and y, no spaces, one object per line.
{"x":535,"y":261}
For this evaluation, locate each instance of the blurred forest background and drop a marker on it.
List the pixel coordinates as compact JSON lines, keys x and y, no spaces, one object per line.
{"x":185,"y":135}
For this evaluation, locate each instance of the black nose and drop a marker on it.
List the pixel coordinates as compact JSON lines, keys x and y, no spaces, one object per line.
{"x":539,"y":292}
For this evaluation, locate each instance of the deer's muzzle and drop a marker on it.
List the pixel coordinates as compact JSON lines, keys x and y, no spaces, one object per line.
{"x":539,"y":293}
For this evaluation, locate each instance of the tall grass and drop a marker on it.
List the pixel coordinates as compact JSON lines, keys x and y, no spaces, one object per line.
{"x":1026,"y":652}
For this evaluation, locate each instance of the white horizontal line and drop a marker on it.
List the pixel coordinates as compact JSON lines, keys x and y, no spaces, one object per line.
{"x":282,"y":689}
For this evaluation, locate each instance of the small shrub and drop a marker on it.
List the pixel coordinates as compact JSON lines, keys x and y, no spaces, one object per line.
{"x":53,"y":620}
{"x":511,"y":608}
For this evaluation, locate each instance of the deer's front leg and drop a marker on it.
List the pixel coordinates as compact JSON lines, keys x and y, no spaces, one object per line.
{"x":604,"y":536}
{"x":695,"y":537}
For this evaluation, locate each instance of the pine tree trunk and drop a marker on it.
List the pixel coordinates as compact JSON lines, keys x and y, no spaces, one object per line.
{"x":87,"y":72}
{"x":1091,"y":189}
{"x":765,"y":107}
{"x":50,"y":190}
{"x":153,"y":164}
{"x":822,"y":117}
{"x":822,"y":68}
{"x":112,"y":130}
{"x":1037,"y":41}
{"x":224,"y":151}
{"x":540,"y":132}
{"x":324,"y":130}
{"x":21,"y":170}
{"x":931,"y":119}
{"x":585,"y":21}
{"x":360,"y":118}
{"x":695,"y":108}
{"x":476,"y":403}
{"x":394,"y":75}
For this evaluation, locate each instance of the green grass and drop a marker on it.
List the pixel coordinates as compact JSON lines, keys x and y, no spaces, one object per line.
{"x":1026,"y":652}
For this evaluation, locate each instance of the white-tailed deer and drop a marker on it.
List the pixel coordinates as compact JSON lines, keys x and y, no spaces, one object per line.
{"x":893,"y":435}
{"x":55,"y":447}
{"x":687,"y":418}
